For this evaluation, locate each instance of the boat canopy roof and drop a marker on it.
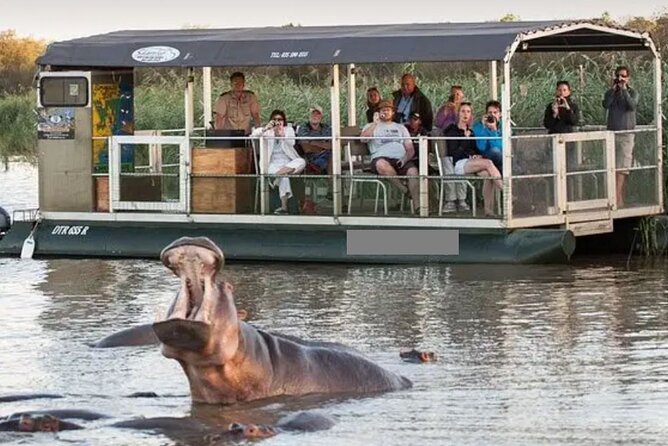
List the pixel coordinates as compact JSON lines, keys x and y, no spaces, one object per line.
{"x":326,"y":45}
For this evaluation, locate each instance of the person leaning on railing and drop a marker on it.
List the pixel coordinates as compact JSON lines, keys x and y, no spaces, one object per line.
{"x":283,"y":158}
{"x":467,"y":158}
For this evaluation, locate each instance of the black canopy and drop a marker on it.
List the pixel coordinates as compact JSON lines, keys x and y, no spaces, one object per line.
{"x":333,"y":44}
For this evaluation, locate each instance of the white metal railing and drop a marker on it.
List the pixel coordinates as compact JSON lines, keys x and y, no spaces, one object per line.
{"x":554,"y":175}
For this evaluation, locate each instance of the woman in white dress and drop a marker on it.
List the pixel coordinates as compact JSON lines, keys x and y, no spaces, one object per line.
{"x":283,"y":158}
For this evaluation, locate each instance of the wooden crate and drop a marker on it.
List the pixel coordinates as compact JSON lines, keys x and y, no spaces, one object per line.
{"x":221,"y":195}
{"x":102,"y":194}
{"x":132,"y":189}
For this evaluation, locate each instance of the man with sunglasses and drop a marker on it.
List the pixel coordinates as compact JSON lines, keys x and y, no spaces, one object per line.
{"x":621,"y":102}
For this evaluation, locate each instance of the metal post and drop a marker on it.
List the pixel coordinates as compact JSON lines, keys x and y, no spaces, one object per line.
{"x":189,"y":105}
{"x":493,"y":81}
{"x":658,"y":121}
{"x":336,"y":140}
{"x":206,"y":95}
{"x":559,"y":160}
{"x":507,"y":143}
{"x":263,"y":192}
{"x":352,"y":106}
{"x":423,"y":145}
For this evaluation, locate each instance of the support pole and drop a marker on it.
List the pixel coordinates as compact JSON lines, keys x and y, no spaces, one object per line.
{"x":658,"y":121}
{"x":206,"y":96}
{"x":493,"y":81}
{"x":352,"y":106}
{"x":423,"y":146}
{"x":336,"y":140}
{"x":507,"y":143}
{"x":189,"y":103}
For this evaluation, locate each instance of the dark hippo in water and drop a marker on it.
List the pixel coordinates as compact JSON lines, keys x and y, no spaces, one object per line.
{"x":36,"y":423}
{"x":227,"y":360}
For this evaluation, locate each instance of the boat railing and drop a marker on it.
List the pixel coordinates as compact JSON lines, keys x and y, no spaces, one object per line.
{"x":553,"y":178}
{"x":26,"y":215}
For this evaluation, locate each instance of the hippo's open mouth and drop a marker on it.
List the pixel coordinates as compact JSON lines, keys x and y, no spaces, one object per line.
{"x":197,"y":262}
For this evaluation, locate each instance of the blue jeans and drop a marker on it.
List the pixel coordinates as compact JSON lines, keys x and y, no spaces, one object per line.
{"x":496,"y":156}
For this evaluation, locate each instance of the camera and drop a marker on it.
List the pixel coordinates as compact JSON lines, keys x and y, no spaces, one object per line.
{"x":490,"y":119}
{"x":617,"y":81}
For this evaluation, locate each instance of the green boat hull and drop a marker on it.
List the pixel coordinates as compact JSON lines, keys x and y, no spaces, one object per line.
{"x":269,"y":242}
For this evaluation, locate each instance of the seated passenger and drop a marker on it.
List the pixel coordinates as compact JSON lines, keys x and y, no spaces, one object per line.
{"x":392,"y":154}
{"x":416,"y":129}
{"x":447,"y":113}
{"x":283,"y":158}
{"x":467,"y":158}
{"x":490,"y":126}
{"x":372,"y":100}
{"x":317,"y":151}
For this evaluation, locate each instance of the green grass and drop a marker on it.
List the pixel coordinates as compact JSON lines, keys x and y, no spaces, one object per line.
{"x":18,"y":127}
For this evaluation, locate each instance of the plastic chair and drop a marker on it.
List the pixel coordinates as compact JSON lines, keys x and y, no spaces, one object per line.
{"x":441,"y":155}
{"x":355,"y":149}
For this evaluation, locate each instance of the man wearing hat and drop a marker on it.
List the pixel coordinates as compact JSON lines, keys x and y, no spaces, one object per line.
{"x":317,"y":145}
{"x":392,"y":149}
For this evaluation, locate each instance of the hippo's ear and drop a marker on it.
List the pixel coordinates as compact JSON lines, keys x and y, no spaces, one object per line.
{"x":242,"y":314}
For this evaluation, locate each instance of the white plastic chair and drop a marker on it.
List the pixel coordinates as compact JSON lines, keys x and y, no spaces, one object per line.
{"x":357,"y":150}
{"x":441,"y":156}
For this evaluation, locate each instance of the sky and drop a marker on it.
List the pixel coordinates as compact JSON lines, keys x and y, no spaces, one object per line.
{"x":53,"y":20}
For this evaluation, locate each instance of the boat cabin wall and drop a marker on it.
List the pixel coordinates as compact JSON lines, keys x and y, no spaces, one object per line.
{"x":72,"y":142}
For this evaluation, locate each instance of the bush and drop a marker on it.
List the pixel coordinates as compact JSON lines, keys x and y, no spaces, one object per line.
{"x":18,"y":127}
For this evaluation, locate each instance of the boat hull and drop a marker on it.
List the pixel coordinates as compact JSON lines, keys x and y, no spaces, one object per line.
{"x":272,"y":242}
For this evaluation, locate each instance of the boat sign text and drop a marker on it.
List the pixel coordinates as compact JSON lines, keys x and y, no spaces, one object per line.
{"x":70,"y":230}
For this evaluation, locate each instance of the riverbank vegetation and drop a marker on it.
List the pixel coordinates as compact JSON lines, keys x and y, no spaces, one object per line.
{"x":159,"y":95}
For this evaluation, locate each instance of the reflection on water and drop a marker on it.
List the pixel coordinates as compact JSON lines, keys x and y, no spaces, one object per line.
{"x":528,"y":354}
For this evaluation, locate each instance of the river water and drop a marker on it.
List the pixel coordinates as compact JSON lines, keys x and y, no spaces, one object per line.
{"x":528,"y":355}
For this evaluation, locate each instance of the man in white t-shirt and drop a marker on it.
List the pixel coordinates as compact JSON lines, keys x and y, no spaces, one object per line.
{"x":391,"y":149}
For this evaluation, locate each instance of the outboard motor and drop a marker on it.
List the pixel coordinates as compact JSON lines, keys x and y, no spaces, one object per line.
{"x":5,"y":222}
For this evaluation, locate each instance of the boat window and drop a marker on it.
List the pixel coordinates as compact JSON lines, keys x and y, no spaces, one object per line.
{"x":63,"y":91}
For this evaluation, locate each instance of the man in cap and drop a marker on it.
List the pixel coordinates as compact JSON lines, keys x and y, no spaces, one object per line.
{"x":392,"y":149}
{"x":317,"y":145}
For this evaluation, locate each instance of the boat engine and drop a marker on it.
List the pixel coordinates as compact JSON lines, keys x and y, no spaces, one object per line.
{"x":5,"y":221}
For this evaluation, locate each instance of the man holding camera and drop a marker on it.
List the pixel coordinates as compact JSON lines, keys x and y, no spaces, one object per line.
{"x":561,"y":115}
{"x":621,"y":101}
{"x":491,"y":128}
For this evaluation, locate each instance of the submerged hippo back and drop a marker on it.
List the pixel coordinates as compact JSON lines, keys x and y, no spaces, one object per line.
{"x":300,"y":369}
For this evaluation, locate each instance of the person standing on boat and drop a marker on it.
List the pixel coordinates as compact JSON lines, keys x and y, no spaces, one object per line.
{"x":372,"y":101}
{"x":235,"y":109}
{"x":621,"y":102}
{"x":561,"y":115}
{"x":491,"y":128}
{"x":283,"y":158}
{"x":447,"y":113}
{"x":392,"y":150}
{"x":409,"y":99}
{"x":467,"y":158}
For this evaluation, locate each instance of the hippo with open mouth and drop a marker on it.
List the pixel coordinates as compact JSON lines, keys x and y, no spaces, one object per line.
{"x":227,"y":360}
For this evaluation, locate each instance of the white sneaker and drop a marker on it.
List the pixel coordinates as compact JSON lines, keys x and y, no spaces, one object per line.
{"x":450,"y":206}
{"x":463,"y":206}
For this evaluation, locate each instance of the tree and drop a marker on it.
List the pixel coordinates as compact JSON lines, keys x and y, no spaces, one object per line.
{"x":17,"y":61}
{"x":510,"y":17}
